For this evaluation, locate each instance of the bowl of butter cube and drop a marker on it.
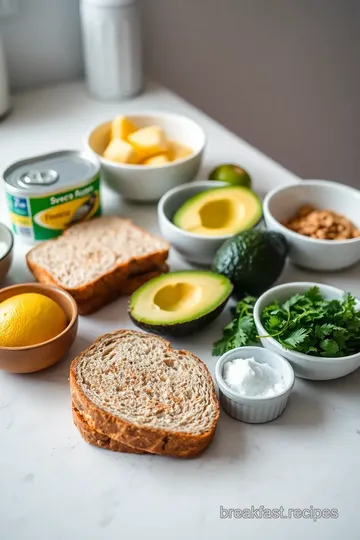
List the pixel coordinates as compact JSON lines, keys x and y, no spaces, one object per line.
{"x":144,"y":155}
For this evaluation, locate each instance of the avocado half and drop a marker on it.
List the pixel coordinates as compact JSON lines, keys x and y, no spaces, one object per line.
{"x":179,"y":303}
{"x":220,"y":211}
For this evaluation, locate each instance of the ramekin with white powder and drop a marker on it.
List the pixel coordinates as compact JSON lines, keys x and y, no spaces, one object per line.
{"x":254,"y":383}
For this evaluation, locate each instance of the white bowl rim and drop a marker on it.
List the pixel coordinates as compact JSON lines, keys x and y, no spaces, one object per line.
{"x":10,"y":244}
{"x":303,"y":356}
{"x":150,"y":114}
{"x":251,"y":399}
{"x":293,"y":234}
{"x":184,"y":187}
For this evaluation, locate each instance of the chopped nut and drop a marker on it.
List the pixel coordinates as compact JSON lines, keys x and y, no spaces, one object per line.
{"x":305,"y":210}
{"x":309,"y":229}
{"x":321,"y":224}
{"x":328,"y":221}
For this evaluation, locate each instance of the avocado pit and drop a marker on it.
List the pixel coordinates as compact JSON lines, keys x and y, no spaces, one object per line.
{"x":216,"y":214}
{"x":222,"y":211}
{"x":177,"y":297}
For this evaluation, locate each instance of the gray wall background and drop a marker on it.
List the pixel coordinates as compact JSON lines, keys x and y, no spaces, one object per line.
{"x":282,"y":74}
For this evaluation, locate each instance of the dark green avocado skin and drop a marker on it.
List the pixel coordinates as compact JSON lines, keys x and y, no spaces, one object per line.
{"x":252,"y":260}
{"x":181,"y":329}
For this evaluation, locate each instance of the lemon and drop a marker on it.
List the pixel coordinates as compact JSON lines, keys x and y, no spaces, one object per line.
{"x":29,"y":319}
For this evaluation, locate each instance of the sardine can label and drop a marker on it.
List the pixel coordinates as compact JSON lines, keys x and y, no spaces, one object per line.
{"x":45,"y":217}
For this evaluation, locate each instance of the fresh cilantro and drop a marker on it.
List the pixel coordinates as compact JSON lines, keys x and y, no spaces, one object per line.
{"x":240,"y":331}
{"x":296,"y":337}
{"x":329,"y":347}
{"x":306,"y":323}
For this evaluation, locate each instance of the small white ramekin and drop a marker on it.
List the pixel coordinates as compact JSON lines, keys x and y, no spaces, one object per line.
{"x":6,"y":237}
{"x":254,"y":410}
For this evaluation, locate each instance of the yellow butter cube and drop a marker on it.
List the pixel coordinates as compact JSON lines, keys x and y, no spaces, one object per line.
{"x":120,"y":151}
{"x":148,"y":141}
{"x":121,"y":128}
{"x":178,"y":151}
{"x":156,"y":161}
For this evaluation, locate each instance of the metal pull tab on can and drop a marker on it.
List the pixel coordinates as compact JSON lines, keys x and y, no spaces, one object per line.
{"x":38,"y":178}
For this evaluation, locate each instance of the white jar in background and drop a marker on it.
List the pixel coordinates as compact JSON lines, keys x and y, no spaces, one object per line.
{"x":112,"y":47}
{"x":4,"y":84}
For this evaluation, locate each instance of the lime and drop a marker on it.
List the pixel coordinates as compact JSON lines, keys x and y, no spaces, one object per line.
{"x":232,"y":174}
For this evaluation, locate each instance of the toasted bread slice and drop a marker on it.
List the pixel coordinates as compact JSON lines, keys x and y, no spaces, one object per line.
{"x":98,"y":439}
{"x":137,"y":390}
{"x":90,"y":259}
{"x":123,"y":288}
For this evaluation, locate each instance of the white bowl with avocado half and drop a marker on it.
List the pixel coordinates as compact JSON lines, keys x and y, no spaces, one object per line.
{"x":198,"y":218}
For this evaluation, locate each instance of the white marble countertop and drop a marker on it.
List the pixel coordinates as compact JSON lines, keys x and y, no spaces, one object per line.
{"x":53,"y":486}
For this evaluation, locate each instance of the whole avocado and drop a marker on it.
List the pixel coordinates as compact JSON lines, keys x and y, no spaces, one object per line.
{"x":252,"y":260}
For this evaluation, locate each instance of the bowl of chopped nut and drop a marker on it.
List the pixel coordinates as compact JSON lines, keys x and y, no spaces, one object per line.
{"x":320,"y":220}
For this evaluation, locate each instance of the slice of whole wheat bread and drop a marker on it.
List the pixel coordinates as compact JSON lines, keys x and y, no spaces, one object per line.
{"x":137,"y":390}
{"x":90,"y":259}
{"x":99,"y":439}
{"x":122,"y":288}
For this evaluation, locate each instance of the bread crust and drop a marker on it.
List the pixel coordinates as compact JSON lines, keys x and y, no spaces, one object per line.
{"x":105,"y":286}
{"x":99,"y":439}
{"x":123,"y":288}
{"x":145,"y":438}
{"x":105,"y":282}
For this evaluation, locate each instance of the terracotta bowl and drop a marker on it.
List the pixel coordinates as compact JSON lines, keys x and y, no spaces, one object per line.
{"x":42,"y":355}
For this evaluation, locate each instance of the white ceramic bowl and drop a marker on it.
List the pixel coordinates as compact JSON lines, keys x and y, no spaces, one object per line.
{"x":254,"y":410}
{"x":149,"y":183}
{"x":308,"y":367}
{"x":6,"y":255}
{"x":283,"y":203}
{"x":195,"y":248}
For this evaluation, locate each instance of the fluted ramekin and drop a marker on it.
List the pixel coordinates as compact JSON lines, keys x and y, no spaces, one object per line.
{"x":254,"y":410}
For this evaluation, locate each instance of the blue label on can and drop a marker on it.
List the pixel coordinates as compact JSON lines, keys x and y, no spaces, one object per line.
{"x":18,"y":205}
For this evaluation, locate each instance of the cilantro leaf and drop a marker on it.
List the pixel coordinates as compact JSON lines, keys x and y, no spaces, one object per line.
{"x":329,"y":346}
{"x":324,"y":330}
{"x":240,"y":331}
{"x":313,"y":294}
{"x":296,"y":337}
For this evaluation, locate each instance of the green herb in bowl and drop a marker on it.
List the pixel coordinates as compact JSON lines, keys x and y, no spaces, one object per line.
{"x":306,"y":323}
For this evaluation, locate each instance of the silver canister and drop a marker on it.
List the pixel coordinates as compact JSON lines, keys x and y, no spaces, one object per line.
{"x":4,"y":84}
{"x":112,"y":47}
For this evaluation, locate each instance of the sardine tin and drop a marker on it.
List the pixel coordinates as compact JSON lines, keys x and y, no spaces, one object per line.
{"x":48,"y":193}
